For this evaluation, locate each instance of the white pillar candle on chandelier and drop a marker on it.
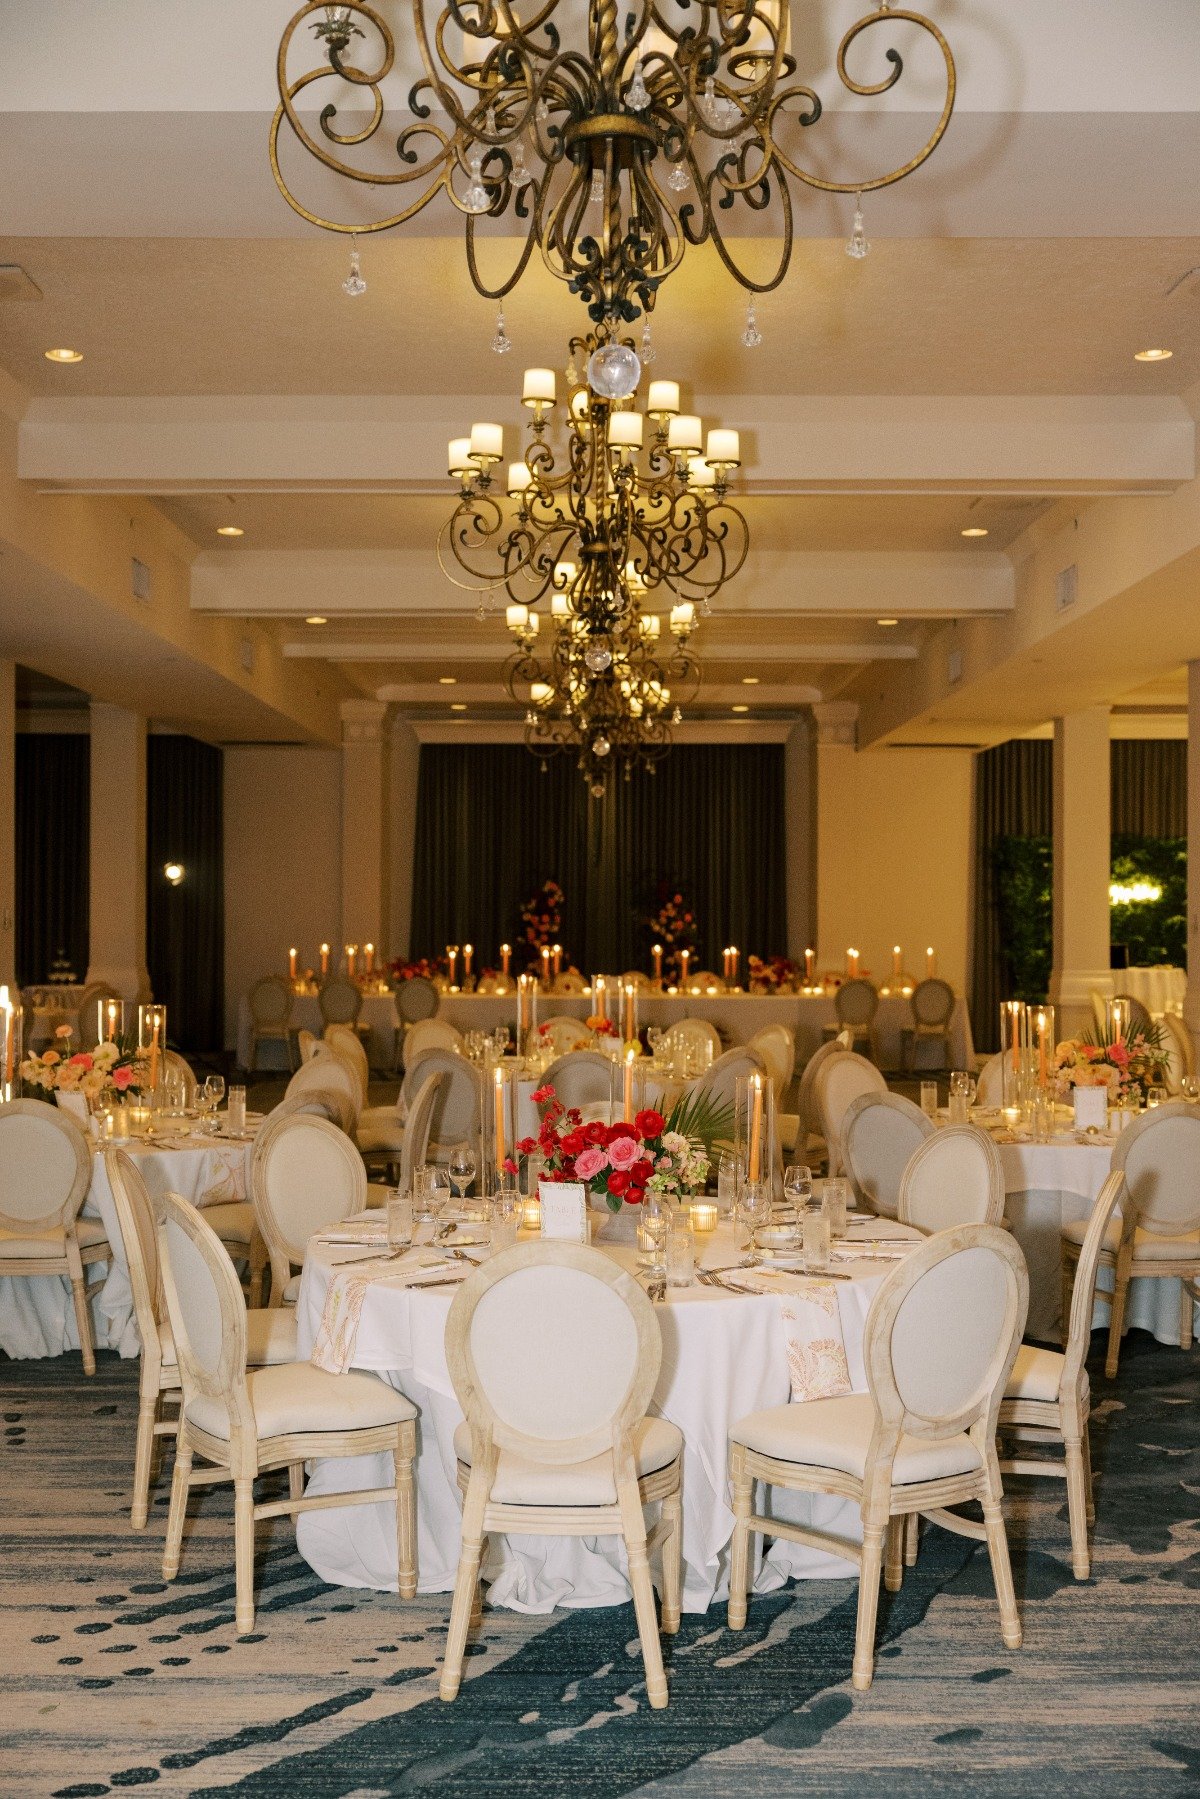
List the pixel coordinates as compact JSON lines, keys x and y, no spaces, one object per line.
{"x":663,"y":400}
{"x":625,"y":430}
{"x":458,"y":458}
{"x":487,"y":443}
{"x":539,"y":389}
{"x":684,"y":434}
{"x":520,"y":477}
{"x":516,"y":617}
{"x":723,"y":449}
{"x":683,"y":617}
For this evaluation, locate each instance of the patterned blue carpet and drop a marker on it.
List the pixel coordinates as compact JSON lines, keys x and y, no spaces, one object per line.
{"x":111,"y":1680}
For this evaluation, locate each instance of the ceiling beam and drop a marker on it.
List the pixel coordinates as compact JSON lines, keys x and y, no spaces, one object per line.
{"x":497,"y":649}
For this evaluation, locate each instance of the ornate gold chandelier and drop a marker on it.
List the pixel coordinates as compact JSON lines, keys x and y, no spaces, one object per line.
{"x":628,"y":515}
{"x":609,"y":141}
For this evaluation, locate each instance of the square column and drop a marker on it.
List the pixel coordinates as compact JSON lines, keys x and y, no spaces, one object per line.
{"x":800,"y":837}
{"x":838,"y":830}
{"x":117,"y":854}
{"x":366,"y":826}
{"x":1082,"y":863}
{"x":1191,"y":1004}
{"x":405,"y":752}
{"x":8,"y":823}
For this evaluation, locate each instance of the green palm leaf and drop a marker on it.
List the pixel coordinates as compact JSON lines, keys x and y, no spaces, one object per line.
{"x":703,"y":1119}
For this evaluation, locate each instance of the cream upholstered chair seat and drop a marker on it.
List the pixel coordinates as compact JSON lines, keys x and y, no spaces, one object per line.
{"x":270,"y":1338}
{"x":655,"y":1443}
{"x":1147,"y":1246}
{"x":233,"y":1220}
{"x":836,"y":1433}
{"x":298,"y":1397}
{"x":380,"y":1130}
{"x":89,"y":1234}
{"x":1037,"y":1375}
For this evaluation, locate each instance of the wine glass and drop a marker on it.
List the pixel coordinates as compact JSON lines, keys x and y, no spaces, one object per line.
{"x":1155,"y":1096}
{"x":461,"y":1169}
{"x":727,"y":1184}
{"x":654,"y":1227}
{"x":797,"y":1186}
{"x":214,"y":1093}
{"x":437,"y":1191}
{"x":755,"y":1212}
{"x":1189,"y":1088}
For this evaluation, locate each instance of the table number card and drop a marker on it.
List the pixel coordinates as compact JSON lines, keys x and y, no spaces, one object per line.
{"x":564,"y":1211}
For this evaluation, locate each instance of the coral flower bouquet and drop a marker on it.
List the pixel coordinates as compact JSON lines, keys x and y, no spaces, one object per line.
{"x":617,"y":1163}
{"x":1125,"y":1067}
{"x":109,"y":1067}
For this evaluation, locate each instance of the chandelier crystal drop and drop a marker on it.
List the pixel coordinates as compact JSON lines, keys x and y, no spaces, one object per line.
{"x":587,"y":540}
{"x":577,"y":128}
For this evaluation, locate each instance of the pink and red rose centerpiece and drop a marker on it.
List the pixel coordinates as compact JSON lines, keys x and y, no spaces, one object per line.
{"x":618,"y":1163}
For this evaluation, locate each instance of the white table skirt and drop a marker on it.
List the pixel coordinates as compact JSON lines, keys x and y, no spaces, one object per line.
{"x":1046,"y":1185}
{"x":37,"y":1314}
{"x":738,"y":1017}
{"x":1160,"y":989}
{"x":723,"y":1357}
{"x":378,"y":1010}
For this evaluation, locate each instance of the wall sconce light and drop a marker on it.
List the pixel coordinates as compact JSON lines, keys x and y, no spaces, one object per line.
{"x":174,"y":871}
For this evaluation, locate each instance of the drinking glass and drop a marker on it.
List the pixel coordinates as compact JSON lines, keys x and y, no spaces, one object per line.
{"x":654,"y":1227}
{"x":1155,"y":1096}
{"x":681,"y":1255}
{"x":797,"y":1185}
{"x":654,"y":1036}
{"x":236,"y":1111}
{"x":500,"y":1039}
{"x":962,"y":1092}
{"x":214,"y":1087}
{"x":505,"y":1219}
{"x":929,"y":1099}
{"x":1189,"y":1088}
{"x":835,"y":1204}
{"x":462,"y":1169}
{"x":727,"y":1184}
{"x":754,"y":1210}
{"x":815,"y":1236}
{"x":400,"y":1220}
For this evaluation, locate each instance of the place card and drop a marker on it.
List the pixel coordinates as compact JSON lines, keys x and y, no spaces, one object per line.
{"x":564,"y":1211}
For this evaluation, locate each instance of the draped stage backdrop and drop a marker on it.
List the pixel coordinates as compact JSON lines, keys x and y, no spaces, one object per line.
{"x":491,"y":827}
{"x":185,"y":925}
{"x":53,"y":791}
{"x":1013,"y":827}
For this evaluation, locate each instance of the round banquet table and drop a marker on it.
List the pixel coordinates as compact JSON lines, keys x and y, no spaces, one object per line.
{"x":37,"y":1316}
{"x":1045,"y":1186}
{"x":724,"y":1355}
{"x":378,"y":1011}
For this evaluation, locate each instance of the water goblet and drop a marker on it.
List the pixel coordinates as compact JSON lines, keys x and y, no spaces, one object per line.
{"x":681,"y":1255}
{"x":1189,"y":1088}
{"x":505,"y":1219}
{"x":929,"y":1099}
{"x":1155,"y":1096}
{"x":654,"y":1227}
{"x":815,"y":1237}
{"x":797,"y":1186}
{"x":727,"y":1184}
{"x":754,"y":1211}
{"x":400,"y":1220}
{"x":214,"y":1091}
{"x":461,"y":1169}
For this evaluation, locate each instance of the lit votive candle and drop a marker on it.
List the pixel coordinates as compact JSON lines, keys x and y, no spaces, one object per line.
{"x":531,"y":1214}
{"x":1011,"y":1116}
{"x":930,"y":963}
{"x":703,"y":1216}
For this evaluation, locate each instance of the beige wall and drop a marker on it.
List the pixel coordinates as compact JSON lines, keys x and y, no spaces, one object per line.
{"x":283,"y":846}
{"x":894,"y":857}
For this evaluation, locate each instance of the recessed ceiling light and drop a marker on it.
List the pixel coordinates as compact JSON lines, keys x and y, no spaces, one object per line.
{"x":447,"y":680}
{"x":976,"y":531}
{"x":739,"y":708}
{"x":1153,"y":355}
{"x":314,"y":618}
{"x":64,"y":355}
{"x":751,"y":681}
{"x":230,"y":531}
{"x":887,"y":622}
{"x":458,"y":706}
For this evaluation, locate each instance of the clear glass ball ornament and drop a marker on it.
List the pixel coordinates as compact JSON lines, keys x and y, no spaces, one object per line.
{"x":614,"y":371}
{"x":598,"y":657}
{"x":600,"y":746}
{"x":597,"y":790}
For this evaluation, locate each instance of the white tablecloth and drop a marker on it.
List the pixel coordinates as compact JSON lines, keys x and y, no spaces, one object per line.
{"x":378,"y":1010}
{"x":1046,"y":1185}
{"x":724,"y":1356}
{"x":737,"y":1016}
{"x":37,"y":1315}
{"x":1159,"y":989}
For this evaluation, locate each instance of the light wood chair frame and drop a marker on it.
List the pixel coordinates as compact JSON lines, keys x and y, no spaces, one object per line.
{"x":1125,"y":1263}
{"x":1063,"y":1421}
{"x":1181,"y":1038}
{"x":272,"y":1031}
{"x":285,"y":1252}
{"x":932,"y":1150}
{"x":886,"y":1506}
{"x":889,"y":1205}
{"x":246,"y":1455}
{"x":626,"y":1518}
{"x":935,"y":1030}
{"x":346,"y":1042}
{"x":72,"y":1258}
{"x":863,"y":1030}
{"x":329,"y":1072}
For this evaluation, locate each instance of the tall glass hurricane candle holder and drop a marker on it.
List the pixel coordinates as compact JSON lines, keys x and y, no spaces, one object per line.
{"x":1118,"y":1019}
{"x":1043,"y":1042}
{"x":11,"y":1023}
{"x":109,"y":1022}
{"x":152,"y":1041}
{"x":755,"y":1135}
{"x":1014,"y":1050}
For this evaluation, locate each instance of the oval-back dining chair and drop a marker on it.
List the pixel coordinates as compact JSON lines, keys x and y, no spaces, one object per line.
{"x":954,"y":1177}
{"x":839,"y":1080}
{"x":880,"y":1133}
{"x":305,"y":1174}
{"x":45,"y":1172}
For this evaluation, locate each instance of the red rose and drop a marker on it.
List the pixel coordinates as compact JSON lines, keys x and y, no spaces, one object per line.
{"x":621,"y":1130}
{"x":526,"y":1146}
{"x":573,"y":1143}
{"x":568,"y":1170}
{"x":618,"y":1183}
{"x":542,"y":1094}
{"x":634,"y":1196}
{"x":575,"y":1115}
{"x":641,"y":1171}
{"x":597,"y":1134}
{"x":649,"y":1123}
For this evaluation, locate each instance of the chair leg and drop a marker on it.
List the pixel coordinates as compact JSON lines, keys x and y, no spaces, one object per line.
{"x":406,"y":1514}
{"x":1116,"y":1324}
{"x":1068,"y":1289}
{"x":466,"y":1582}
{"x":143,"y":1459}
{"x":912,"y":1538}
{"x":868,"y":1606}
{"x":1185,"y":1315}
{"x":476,"y":1623}
{"x":739,"y":1556}
{"x":1087,"y":1473}
{"x":173,"y":1543}
{"x":647,"y":1617}
{"x":997,"y":1542}
{"x":893,"y":1560}
{"x":83,"y":1318}
{"x":672,"y":1560}
{"x":1077,"y":1507}
{"x":258,"y":1268}
{"x":243,"y":1551}
{"x":295,"y":1480}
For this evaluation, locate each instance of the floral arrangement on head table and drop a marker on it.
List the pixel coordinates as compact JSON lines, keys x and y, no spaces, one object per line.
{"x":122,"y":1068}
{"x":541,"y":918}
{"x":619,"y":1163}
{"x":672,"y":923}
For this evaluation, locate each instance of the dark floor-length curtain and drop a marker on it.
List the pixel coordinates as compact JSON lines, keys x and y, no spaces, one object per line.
{"x":1149,"y":787}
{"x":1013,"y":799}
{"x":185,"y":925}
{"x":53,"y":797}
{"x":491,"y":827}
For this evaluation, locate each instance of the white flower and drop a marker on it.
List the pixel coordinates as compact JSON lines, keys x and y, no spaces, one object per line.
{"x":105,"y":1054}
{"x":676,"y":1143}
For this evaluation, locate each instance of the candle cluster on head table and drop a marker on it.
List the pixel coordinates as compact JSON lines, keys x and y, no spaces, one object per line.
{"x":657,"y":954}
{"x":731,"y":958}
{"x":505,"y":957}
{"x":468,"y":954}
{"x":852,"y":959}
{"x":897,"y":960}
{"x":452,"y":964}
{"x":546,"y":966}
{"x":351,"y":959}
{"x":292,"y":958}
{"x":930,"y":963}
{"x":324,"y":958}
{"x":556,"y":956}
{"x":368,"y":958}
{"x":685,"y":957}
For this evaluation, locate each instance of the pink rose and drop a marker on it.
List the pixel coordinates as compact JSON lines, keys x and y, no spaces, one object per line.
{"x":623,"y":1152}
{"x":589,"y":1162}
{"x":122,"y":1078}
